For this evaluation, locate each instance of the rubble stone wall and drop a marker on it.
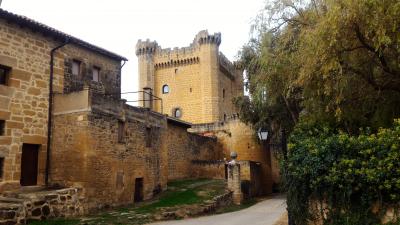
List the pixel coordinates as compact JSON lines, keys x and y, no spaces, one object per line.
{"x":41,"y":205}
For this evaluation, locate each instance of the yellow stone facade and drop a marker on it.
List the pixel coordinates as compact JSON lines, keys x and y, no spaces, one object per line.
{"x":201,"y":80}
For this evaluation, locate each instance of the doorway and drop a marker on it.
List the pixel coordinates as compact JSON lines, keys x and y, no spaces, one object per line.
{"x":29,"y":164}
{"x":138,"y":197}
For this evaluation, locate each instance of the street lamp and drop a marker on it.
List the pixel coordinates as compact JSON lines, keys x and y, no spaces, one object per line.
{"x":262,"y":134}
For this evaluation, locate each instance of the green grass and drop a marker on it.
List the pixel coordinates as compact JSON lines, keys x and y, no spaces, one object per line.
{"x":180,"y":192}
{"x":184,"y":192}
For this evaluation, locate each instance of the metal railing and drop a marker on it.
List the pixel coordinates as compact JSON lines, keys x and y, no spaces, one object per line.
{"x":144,"y":99}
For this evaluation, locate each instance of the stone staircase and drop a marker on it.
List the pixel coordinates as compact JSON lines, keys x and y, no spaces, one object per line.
{"x":38,"y":203}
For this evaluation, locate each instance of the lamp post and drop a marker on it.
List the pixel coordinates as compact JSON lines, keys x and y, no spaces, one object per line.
{"x":263,"y":136}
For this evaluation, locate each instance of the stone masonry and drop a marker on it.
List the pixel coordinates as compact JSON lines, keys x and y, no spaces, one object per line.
{"x":201,"y":83}
{"x":25,"y":207}
{"x":25,"y":47}
{"x":200,"y":79}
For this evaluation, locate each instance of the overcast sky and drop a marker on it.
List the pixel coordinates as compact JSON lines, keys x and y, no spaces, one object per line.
{"x":117,"y":25}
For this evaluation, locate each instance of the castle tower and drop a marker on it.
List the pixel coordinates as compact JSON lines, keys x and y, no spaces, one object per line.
{"x":209,"y":71}
{"x":145,"y":52}
{"x":195,"y":83}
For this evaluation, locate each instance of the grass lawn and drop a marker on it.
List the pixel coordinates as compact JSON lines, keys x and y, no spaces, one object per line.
{"x":183,"y":192}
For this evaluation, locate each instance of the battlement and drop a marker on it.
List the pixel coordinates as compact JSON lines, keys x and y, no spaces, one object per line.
{"x":203,"y":37}
{"x":146,"y":47}
{"x":227,"y":67}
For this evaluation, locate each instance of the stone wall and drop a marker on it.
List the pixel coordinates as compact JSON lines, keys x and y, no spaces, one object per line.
{"x":184,"y":147}
{"x":208,"y":169}
{"x":24,"y":99}
{"x":237,"y":136}
{"x":23,"y":208}
{"x":202,"y":82}
{"x":88,"y":152}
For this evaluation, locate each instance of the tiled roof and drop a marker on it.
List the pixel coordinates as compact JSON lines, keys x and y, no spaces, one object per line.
{"x":24,"y":21}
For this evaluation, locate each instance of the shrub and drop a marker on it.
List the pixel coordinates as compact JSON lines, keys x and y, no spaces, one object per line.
{"x":355,"y":178}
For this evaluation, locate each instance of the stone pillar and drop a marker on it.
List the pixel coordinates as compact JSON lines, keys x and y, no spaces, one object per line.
{"x":234,"y":179}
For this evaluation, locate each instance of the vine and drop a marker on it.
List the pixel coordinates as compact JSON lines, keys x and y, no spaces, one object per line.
{"x":340,"y":179}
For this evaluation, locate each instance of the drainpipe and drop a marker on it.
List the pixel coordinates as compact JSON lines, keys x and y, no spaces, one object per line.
{"x":49,"y":121}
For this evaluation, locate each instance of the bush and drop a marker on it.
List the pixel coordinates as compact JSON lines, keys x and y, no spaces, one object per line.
{"x":357,"y":178}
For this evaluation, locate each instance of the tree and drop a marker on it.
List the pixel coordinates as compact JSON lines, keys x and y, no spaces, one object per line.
{"x":325,"y":61}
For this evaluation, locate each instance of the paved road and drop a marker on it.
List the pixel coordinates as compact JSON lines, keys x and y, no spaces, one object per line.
{"x":266,"y":212}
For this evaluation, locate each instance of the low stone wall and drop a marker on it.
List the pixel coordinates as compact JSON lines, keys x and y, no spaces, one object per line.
{"x":210,"y":206}
{"x":214,"y":169}
{"x":24,"y":207}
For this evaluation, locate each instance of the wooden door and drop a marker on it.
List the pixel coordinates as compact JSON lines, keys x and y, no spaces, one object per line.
{"x":138,"y":197}
{"x":29,"y":164}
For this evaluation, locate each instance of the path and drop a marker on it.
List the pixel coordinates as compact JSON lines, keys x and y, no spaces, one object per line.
{"x":266,"y":212}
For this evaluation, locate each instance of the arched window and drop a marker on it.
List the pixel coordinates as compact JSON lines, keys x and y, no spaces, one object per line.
{"x":177,"y":113}
{"x":165,"y":89}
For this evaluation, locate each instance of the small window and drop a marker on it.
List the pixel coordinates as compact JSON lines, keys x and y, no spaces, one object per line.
{"x":148,"y":137}
{"x":4,"y":73}
{"x":190,"y":90}
{"x":96,"y":74}
{"x":2,"y":127}
{"x":224,"y":117}
{"x":165,"y":89}
{"x":177,"y":113}
{"x":1,"y":167}
{"x":76,"y":67}
{"x":121,"y":131}
{"x":176,"y":70}
{"x":223,"y":93}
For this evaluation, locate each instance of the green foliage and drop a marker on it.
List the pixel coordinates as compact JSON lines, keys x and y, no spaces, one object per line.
{"x":332,"y":61}
{"x":355,"y":178}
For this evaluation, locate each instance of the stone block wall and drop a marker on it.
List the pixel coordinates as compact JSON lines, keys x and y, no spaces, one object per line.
{"x":202,"y":82}
{"x":184,"y":147}
{"x":237,"y":136}
{"x":24,"y":99}
{"x":88,"y":152}
{"x":215,"y":169}
{"x":25,"y":208}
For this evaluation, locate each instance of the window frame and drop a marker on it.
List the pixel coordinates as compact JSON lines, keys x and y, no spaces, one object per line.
{"x":2,"y":127}
{"x":121,"y":131}
{"x":163,"y":89}
{"x":148,"y":137}
{"x":7,"y":71}
{"x":79,"y":63}
{"x":180,"y":112}
{"x":96,"y":68}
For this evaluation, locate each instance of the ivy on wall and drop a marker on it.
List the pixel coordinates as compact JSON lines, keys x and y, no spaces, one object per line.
{"x":342,"y":179}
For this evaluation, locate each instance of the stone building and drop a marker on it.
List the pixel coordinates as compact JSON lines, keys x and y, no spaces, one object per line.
{"x":197,"y":84}
{"x":25,"y":55}
{"x":108,"y":152}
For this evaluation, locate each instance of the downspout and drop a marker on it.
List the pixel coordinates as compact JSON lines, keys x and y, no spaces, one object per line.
{"x":120,"y":75}
{"x":50,"y":110}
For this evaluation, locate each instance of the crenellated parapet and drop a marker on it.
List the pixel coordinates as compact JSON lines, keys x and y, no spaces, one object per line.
{"x":203,"y":37}
{"x":146,"y":47}
{"x":191,"y":51}
{"x":179,"y":62}
{"x":226,"y":66}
